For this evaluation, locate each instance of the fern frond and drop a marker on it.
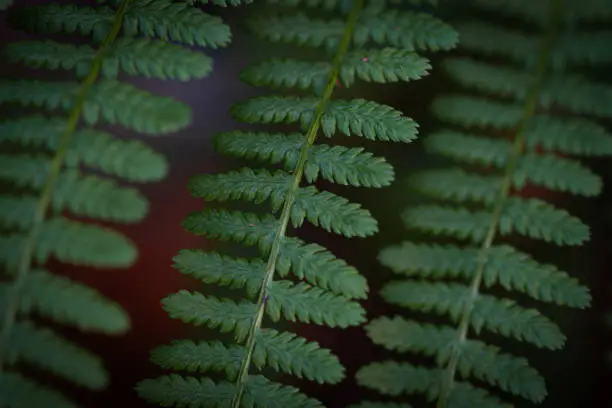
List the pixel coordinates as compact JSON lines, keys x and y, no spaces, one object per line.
{"x":511,"y":269}
{"x":48,"y":167}
{"x":129,"y":159}
{"x":44,"y":348}
{"x":165,"y":19}
{"x":547,"y":170}
{"x":376,"y":65}
{"x":325,"y":290}
{"x":572,"y":92}
{"x":203,"y":393}
{"x":338,"y":164}
{"x":115,"y":102}
{"x":133,"y":56}
{"x":283,"y":351}
{"x":530,"y":217}
{"x":301,"y":300}
{"x":395,"y":379}
{"x":358,"y":117}
{"x":570,"y":48}
{"x":556,"y":174}
{"x":70,"y":303}
{"x":505,"y":135}
{"x":406,"y":30}
{"x":501,"y":316}
{"x":17,"y":389}
{"x":310,"y":261}
{"x":322,"y":208}
{"x":478,"y":359}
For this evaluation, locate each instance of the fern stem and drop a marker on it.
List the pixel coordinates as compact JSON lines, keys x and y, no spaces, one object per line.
{"x":25,"y":261}
{"x":279,"y":235}
{"x":529,"y":108}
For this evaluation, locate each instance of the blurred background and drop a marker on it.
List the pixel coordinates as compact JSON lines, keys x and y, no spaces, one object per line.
{"x":577,"y":376}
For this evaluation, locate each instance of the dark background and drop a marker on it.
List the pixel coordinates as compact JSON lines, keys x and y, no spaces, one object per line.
{"x":577,"y":376}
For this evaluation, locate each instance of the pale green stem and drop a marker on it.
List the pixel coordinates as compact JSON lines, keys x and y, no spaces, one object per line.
{"x":25,"y":260}
{"x":531,"y":103}
{"x":290,"y":199}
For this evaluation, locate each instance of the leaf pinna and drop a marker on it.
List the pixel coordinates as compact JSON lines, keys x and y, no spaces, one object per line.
{"x":506,"y":138}
{"x":327,"y":288}
{"x":58,"y":166}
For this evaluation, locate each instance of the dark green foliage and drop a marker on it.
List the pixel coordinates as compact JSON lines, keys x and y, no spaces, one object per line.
{"x":52,"y":165}
{"x":516,"y":128}
{"x":329,"y":289}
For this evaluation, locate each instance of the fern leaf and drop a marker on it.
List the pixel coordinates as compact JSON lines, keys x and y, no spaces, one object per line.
{"x":115,"y":102}
{"x":501,"y":316}
{"x":44,"y":348}
{"x":547,"y":134}
{"x":413,"y":31}
{"x":488,"y":39}
{"x":291,"y":300}
{"x":337,"y":164}
{"x":382,"y":66}
{"x":358,"y":117}
{"x":17,"y":391}
{"x":54,"y":18}
{"x":423,"y":32}
{"x":331,"y":212}
{"x":572,"y":92}
{"x":283,"y":351}
{"x":175,"y":390}
{"x":227,"y":315}
{"x":176,"y":22}
{"x":186,"y":355}
{"x":70,"y":303}
{"x":392,"y":378}
{"x":96,"y":149}
{"x":572,"y":49}
{"x":134,"y":56}
{"x":462,"y":111}
{"x":214,"y":268}
{"x":533,"y":218}
{"x":163,"y":19}
{"x":73,"y":242}
{"x":89,"y":196}
{"x":308,"y":304}
{"x":505,"y":266}
{"x":482,"y":113}
{"x":295,"y":305}
{"x":477,"y":359}
{"x":294,"y":354}
{"x":547,"y":171}
{"x":307,"y":261}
